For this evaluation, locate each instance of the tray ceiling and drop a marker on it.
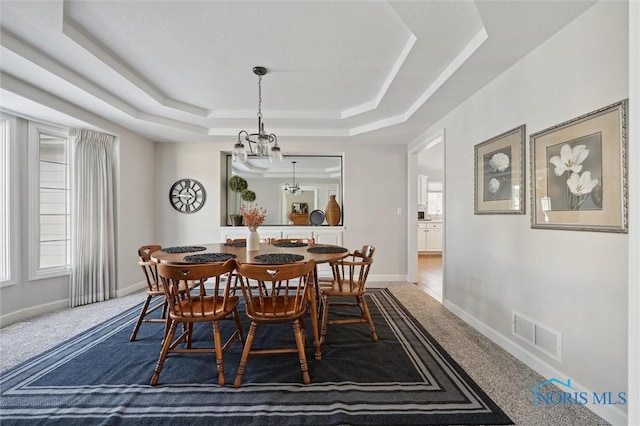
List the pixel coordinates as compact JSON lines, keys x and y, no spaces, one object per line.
{"x":364,"y":71}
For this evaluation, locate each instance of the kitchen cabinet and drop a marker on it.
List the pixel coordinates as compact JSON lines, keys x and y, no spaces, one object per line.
{"x":429,"y":236}
{"x":422,"y":236}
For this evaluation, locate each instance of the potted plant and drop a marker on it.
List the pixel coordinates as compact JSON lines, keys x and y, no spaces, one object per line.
{"x":237,"y":184}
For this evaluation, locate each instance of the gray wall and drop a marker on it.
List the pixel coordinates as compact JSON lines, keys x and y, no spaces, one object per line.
{"x":573,"y":282}
{"x":373,"y":174}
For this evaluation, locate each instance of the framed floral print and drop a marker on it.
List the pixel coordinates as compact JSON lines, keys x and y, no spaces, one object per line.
{"x":499,"y":174}
{"x":579,"y":173}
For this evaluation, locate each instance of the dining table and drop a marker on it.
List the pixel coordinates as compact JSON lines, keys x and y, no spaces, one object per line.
{"x":267,"y":253}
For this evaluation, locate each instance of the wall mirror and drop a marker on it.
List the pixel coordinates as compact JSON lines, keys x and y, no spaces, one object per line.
{"x":318,"y":176}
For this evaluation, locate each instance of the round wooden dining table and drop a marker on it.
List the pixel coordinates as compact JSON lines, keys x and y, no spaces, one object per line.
{"x":242,"y":255}
{"x":321,"y":253}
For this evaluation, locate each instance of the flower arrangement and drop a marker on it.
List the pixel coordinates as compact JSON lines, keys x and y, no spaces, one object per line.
{"x":253,"y":215}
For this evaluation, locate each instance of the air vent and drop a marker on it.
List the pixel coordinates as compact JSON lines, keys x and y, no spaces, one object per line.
{"x":538,"y":335}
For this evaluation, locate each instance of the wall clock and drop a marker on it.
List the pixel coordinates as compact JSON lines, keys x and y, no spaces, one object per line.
{"x":187,"y":195}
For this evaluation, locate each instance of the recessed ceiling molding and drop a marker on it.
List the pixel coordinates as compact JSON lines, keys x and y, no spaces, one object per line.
{"x":35,"y":57}
{"x":360,"y":109}
{"x":50,"y":65}
{"x":110,"y":59}
{"x":284,"y":115}
{"x":76,"y":115}
{"x":457,"y":62}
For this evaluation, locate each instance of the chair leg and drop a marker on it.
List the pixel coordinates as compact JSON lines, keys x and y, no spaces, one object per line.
{"x":189,"y":335}
{"x":165,"y":315}
{"x":164,"y":352}
{"x":325,"y":318}
{"x":143,"y":313}
{"x":245,"y":354}
{"x":367,"y":315}
{"x":300,"y":344}
{"x":236,"y":318}
{"x":217,"y":344}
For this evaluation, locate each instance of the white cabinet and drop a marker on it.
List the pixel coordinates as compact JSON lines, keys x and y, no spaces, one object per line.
{"x":422,"y":236}
{"x":328,"y":236}
{"x":430,"y":236}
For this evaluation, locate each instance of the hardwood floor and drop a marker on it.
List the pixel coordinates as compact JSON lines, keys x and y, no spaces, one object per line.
{"x":430,"y":274}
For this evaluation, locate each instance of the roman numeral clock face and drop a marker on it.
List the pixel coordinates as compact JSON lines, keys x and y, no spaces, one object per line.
{"x":187,"y":195}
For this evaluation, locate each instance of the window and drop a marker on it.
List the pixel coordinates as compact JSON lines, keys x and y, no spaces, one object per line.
{"x":434,"y":203}
{"x":5,"y":201}
{"x":50,"y":203}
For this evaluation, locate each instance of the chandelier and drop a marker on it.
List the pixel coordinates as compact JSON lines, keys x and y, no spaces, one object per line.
{"x":294,"y":188}
{"x":261,"y":140}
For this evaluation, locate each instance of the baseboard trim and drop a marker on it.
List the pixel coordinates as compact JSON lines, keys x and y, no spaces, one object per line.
{"x":612,"y":414}
{"x":32,"y":311}
{"x":372,"y":278}
{"x":133,"y":288}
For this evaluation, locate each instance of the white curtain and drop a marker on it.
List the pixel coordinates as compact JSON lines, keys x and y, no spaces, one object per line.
{"x":93,"y":272}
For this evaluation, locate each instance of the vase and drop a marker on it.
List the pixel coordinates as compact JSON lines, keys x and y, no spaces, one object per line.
{"x":332,"y":213}
{"x":253,"y":240}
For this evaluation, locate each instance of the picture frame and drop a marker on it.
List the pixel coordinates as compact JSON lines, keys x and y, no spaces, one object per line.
{"x":499,"y":182}
{"x":300,"y":208}
{"x":579,"y":173}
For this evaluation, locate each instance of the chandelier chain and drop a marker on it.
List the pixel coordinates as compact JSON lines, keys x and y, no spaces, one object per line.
{"x":259,"y":96}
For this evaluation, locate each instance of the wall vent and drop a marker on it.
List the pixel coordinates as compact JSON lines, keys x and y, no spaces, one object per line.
{"x":538,"y":335}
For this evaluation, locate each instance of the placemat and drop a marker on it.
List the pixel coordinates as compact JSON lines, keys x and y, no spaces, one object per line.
{"x":209,"y":257}
{"x":279,"y":258}
{"x":326,"y":249}
{"x":290,"y":244}
{"x":183,"y":249}
{"x":236,"y":244}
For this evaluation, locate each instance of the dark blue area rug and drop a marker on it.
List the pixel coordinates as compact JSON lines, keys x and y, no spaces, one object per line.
{"x":99,"y":377}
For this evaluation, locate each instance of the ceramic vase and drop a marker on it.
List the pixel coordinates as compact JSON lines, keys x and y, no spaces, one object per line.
{"x":253,"y":240}
{"x":332,"y":212}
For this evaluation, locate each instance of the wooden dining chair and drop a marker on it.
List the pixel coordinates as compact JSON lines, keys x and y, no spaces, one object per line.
{"x":281,"y":296}
{"x":350,"y":278}
{"x":188,"y":306}
{"x":154,"y":290}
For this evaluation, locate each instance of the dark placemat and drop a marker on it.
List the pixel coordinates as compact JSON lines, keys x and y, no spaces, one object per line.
{"x":326,"y":249}
{"x":236,"y":244}
{"x":183,"y":249}
{"x":209,"y":257}
{"x":290,"y":244}
{"x":279,"y":258}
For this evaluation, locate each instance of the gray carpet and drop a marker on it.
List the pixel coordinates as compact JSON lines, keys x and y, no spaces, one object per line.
{"x":505,"y":379}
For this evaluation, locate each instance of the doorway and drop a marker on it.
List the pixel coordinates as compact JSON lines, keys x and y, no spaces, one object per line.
{"x":426,"y":248}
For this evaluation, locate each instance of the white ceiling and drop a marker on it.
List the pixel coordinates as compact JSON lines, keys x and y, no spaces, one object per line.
{"x":355,"y":71}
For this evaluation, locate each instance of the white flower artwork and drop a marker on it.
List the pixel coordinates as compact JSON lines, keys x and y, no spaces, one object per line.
{"x":498,"y":175}
{"x":573,"y":179}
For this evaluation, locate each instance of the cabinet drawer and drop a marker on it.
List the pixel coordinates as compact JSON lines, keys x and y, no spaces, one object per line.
{"x":434,"y":226}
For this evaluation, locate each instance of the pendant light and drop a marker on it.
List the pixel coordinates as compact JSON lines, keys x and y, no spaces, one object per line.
{"x":294,"y":188}
{"x":263,"y":142}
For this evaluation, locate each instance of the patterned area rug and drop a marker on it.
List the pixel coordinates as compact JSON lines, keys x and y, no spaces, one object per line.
{"x":99,"y":377}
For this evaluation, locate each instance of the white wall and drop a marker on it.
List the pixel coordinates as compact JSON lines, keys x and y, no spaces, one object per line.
{"x":374,"y":181}
{"x":573,"y":282}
